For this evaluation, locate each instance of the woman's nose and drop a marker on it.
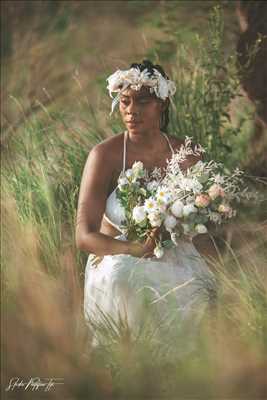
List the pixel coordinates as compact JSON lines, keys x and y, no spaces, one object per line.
{"x":133,"y":108}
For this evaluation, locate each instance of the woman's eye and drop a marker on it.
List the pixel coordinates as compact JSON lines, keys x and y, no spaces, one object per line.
{"x":124,"y":102}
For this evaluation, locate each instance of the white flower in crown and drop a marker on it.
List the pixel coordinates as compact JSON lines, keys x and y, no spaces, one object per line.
{"x":135,"y":78}
{"x":164,"y":87}
{"x":115,"y":81}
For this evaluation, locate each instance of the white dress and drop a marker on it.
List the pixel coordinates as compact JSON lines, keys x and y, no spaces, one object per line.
{"x":169,"y":294}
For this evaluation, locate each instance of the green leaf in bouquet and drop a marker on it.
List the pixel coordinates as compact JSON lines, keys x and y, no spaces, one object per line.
{"x":143,"y":224}
{"x":123,"y":188}
{"x":203,"y":178}
{"x":191,"y":218}
{"x":204,"y":219}
{"x":143,"y":234}
{"x":143,"y":191}
{"x":215,"y":204}
{"x":167,"y":244}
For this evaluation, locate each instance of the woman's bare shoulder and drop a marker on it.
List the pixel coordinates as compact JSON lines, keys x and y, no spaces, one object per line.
{"x":109,"y":148}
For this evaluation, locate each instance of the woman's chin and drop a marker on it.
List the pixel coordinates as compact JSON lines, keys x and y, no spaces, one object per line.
{"x":134,"y":128}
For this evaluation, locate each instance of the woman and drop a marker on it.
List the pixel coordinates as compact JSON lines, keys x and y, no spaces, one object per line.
{"x":125,"y":281}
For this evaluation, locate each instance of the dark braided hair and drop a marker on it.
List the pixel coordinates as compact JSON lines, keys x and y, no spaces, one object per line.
{"x":146,"y":64}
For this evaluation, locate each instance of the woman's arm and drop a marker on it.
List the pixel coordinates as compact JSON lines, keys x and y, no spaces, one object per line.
{"x":94,"y":187}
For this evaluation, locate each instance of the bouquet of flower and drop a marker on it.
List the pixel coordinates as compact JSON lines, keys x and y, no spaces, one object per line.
{"x":180,"y":203}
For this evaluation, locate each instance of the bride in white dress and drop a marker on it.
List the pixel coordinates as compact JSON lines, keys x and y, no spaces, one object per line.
{"x":124,"y":281}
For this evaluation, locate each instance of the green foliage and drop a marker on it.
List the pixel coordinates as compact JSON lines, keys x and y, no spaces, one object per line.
{"x":207,"y":83}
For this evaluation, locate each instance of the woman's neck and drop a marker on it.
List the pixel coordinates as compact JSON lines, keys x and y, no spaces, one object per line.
{"x":151,"y":140}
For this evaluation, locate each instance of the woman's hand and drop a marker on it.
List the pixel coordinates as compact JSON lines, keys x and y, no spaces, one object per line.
{"x":146,"y":248}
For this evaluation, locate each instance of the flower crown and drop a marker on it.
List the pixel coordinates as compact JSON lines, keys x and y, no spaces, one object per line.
{"x":135,"y":78}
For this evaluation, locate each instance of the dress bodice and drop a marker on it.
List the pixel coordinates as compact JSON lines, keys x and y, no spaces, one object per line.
{"x":114,"y":212}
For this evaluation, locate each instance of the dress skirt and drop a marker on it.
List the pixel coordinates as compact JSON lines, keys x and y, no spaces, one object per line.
{"x":169,"y":294}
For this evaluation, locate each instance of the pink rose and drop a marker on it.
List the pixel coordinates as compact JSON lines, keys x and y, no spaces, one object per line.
{"x":215,"y":191}
{"x":202,"y":200}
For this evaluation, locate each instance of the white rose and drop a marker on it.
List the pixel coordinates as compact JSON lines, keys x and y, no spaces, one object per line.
{"x":170,"y":222}
{"x":154,"y":219}
{"x":139,"y":213}
{"x":188,"y":209}
{"x":158,"y":251}
{"x":114,"y":81}
{"x":177,"y":208}
{"x":200,"y":228}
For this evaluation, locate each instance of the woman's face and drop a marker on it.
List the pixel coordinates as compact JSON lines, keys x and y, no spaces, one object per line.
{"x":140,"y":110}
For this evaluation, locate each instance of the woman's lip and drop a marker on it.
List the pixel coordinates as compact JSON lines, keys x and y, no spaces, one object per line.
{"x":133,"y":122}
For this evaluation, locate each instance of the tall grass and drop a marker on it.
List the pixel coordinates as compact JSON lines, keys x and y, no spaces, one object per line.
{"x":208,"y":80}
{"x":43,"y":272}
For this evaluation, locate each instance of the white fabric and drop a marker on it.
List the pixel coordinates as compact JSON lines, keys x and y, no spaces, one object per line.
{"x":168,"y":294}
